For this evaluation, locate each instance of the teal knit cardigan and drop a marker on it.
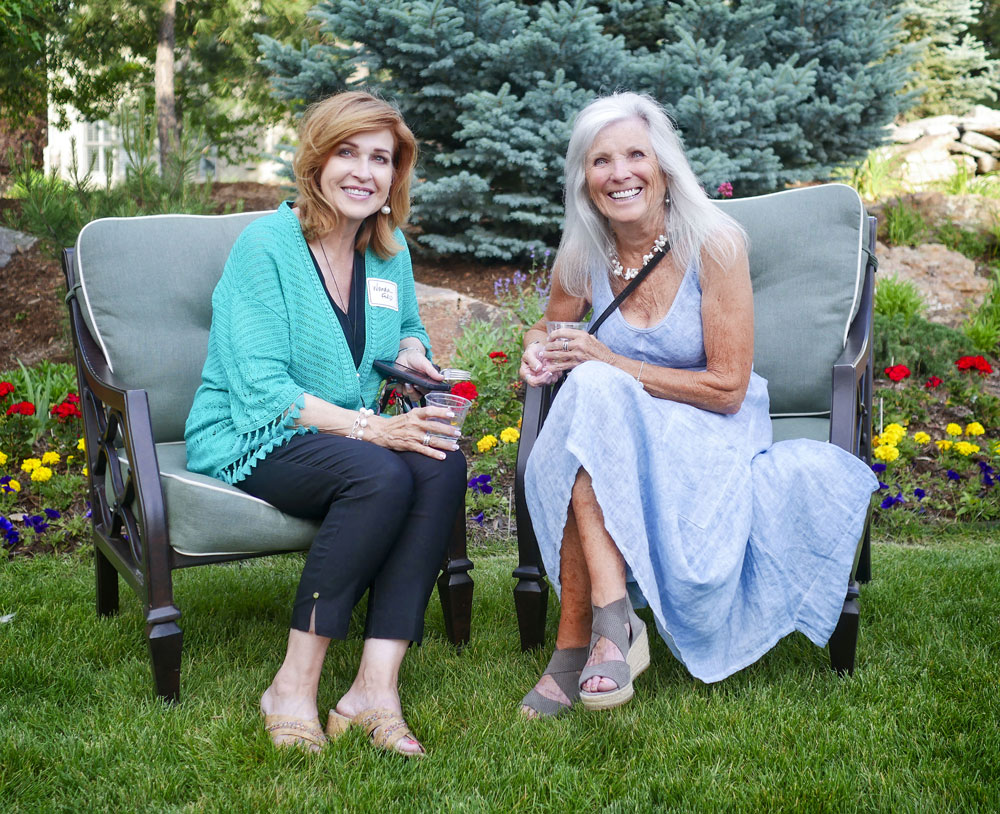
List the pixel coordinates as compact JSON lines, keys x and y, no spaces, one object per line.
{"x":275,"y":337}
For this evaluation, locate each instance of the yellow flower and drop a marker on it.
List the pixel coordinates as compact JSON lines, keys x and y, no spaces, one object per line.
{"x":30,"y":464}
{"x":485,"y":443}
{"x":895,"y":429}
{"x":84,"y":472}
{"x":509,"y":435}
{"x":80,"y":445}
{"x":921,"y":437}
{"x":886,"y":453}
{"x":3,"y":458}
{"x":975,"y":428}
{"x":965,"y":448}
{"x":41,"y":474}
{"x":876,"y":440}
{"x":953,"y":429}
{"x":50,"y":458}
{"x":519,"y":423}
{"x":944,"y":445}
{"x":69,"y":459}
{"x":14,"y":485}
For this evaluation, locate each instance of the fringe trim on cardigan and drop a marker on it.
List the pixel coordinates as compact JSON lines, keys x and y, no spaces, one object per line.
{"x":258,"y":443}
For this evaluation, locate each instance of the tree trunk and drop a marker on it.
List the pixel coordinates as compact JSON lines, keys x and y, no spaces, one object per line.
{"x":166,"y":114}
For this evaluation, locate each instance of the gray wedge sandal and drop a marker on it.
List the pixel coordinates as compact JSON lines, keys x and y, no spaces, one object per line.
{"x":564,"y":667}
{"x":610,"y":622}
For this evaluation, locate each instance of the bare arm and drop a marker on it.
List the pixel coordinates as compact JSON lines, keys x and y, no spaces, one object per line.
{"x":403,"y":433}
{"x":727,"y":324}
{"x":562,"y":307}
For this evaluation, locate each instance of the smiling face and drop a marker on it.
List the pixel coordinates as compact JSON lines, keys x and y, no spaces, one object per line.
{"x":357,"y":175}
{"x":624,"y":178}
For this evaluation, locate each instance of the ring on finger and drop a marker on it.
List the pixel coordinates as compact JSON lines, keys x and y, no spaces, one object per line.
{"x":565,"y":345}
{"x":427,"y":439}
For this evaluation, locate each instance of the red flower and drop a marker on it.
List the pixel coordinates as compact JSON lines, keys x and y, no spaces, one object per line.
{"x":393,"y":397}
{"x":499,"y":357}
{"x":897,"y":372}
{"x":466,"y":390}
{"x":933,"y":382}
{"x":21,"y":408}
{"x":725,"y":189}
{"x":6,"y":388}
{"x":66,"y":410}
{"x":977,"y":363}
{"x":73,"y":398}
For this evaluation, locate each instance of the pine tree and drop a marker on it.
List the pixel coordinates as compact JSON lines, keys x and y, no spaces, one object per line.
{"x":954,"y":70}
{"x":764,"y":93}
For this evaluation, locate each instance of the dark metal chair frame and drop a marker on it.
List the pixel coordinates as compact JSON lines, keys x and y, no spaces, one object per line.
{"x":130,"y":532}
{"x":850,"y":429}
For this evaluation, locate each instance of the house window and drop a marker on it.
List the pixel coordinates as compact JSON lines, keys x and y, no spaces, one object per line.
{"x":100,"y":149}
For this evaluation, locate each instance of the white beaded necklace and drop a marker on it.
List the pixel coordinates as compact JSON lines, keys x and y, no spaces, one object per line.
{"x":629,"y":273}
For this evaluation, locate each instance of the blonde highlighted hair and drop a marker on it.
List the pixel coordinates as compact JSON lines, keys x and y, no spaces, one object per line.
{"x":694,"y":222}
{"x":327,"y":124}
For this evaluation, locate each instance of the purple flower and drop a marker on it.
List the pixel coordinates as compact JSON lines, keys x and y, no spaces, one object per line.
{"x":481,"y":484}
{"x":5,"y":524}
{"x":891,"y":501}
{"x":919,"y":493}
{"x":13,"y":537}
{"x":479,"y":518}
{"x":36,"y":522}
{"x":987,"y":472}
{"x":878,"y":467}
{"x":951,"y":474}
{"x":882,"y":486}
{"x":89,"y":513}
{"x":52,"y":514}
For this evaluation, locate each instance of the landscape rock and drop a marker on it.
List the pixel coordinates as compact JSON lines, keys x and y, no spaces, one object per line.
{"x":967,"y":149}
{"x":445,"y":313}
{"x":980,"y":142}
{"x":946,"y":280}
{"x":928,"y":159}
{"x":11,"y":242}
{"x":983,"y":120}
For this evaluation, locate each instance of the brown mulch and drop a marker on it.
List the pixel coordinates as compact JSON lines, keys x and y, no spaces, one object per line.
{"x":34,"y":324}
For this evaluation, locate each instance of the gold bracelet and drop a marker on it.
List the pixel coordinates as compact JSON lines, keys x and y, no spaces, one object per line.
{"x":638,"y":376}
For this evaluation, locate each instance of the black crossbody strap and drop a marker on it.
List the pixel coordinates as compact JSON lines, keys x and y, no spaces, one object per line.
{"x":632,"y":286}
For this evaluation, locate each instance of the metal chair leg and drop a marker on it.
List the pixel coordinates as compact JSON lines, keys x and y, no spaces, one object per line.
{"x":844,"y":641}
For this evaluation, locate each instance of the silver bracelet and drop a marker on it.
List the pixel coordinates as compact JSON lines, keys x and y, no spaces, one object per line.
{"x":638,"y":376}
{"x":358,"y":430}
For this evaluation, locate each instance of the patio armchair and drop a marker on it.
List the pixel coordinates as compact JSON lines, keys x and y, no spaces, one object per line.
{"x":140,"y":309}
{"x":812,"y":265}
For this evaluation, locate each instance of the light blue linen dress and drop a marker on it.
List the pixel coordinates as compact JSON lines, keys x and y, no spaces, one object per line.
{"x":732,"y":541}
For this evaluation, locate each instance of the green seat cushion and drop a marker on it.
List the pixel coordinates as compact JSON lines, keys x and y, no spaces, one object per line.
{"x":784,"y":429}
{"x":207,"y":516}
{"x":145,"y":290}
{"x":807,"y":264}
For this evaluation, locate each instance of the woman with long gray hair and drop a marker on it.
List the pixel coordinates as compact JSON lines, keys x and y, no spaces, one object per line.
{"x":641,"y":484}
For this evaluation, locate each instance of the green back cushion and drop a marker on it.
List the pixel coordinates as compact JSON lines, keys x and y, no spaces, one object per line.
{"x":806,"y":265}
{"x":146,"y":294}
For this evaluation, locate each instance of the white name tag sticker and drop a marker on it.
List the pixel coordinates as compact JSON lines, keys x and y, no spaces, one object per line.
{"x":382,"y":294}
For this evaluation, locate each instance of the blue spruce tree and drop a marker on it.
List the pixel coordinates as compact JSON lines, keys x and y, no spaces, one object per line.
{"x":764,"y":93}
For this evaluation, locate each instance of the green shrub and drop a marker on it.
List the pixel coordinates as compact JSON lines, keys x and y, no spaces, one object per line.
{"x":56,"y":210}
{"x":927,"y":348}
{"x":971,"y":244}
{"x":898,"y":297}
{"x":876,"y":177}
{"x":904,"y":226}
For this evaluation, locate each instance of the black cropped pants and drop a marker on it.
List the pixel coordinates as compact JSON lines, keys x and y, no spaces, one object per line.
{"x":386,"y":521}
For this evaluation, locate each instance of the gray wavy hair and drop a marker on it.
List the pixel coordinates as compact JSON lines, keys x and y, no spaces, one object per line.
{"x":695,"y":223}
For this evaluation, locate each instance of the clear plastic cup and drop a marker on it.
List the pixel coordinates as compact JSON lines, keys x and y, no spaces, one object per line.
{"x":554,"y":328}
{"x":458,"y":405}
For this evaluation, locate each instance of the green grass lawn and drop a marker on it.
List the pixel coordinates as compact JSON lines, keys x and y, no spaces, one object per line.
{"x":915,"y":729}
